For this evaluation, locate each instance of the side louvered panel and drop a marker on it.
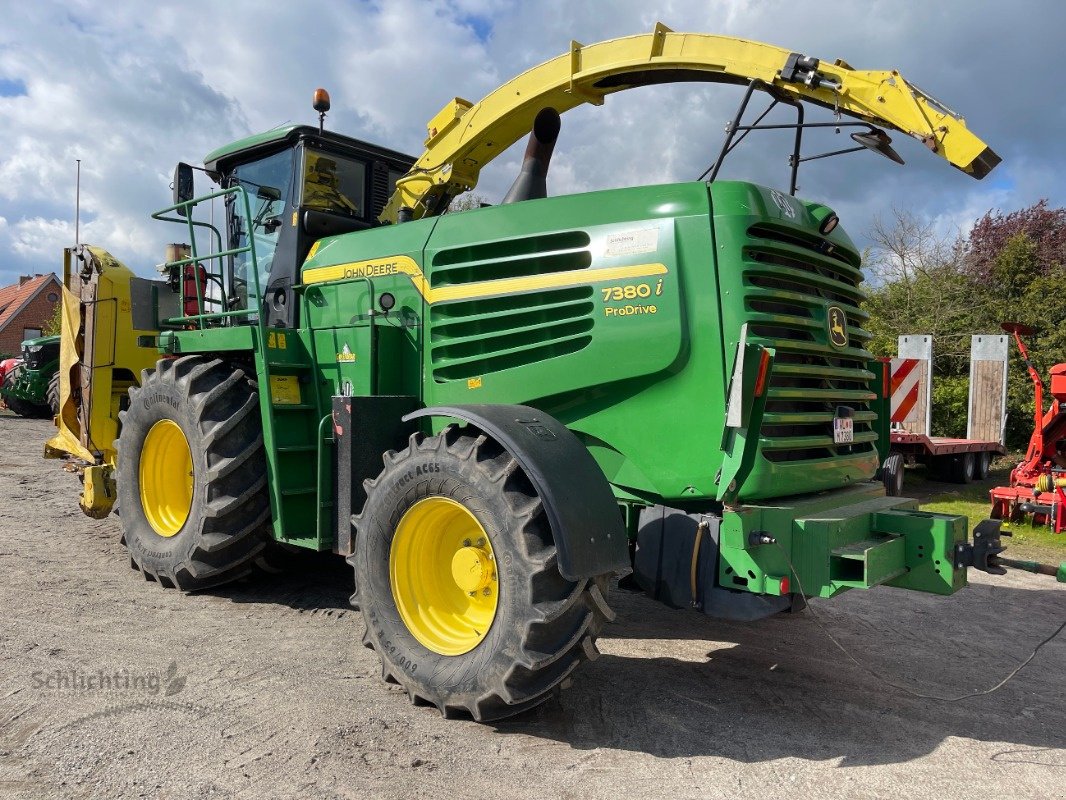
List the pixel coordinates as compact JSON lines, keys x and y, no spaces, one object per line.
{"x":476,"y":337}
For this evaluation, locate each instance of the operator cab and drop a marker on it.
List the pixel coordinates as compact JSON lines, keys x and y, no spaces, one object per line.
{"x":302,"y":184}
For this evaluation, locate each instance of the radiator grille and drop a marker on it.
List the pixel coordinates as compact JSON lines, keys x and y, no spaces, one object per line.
{"x":790,"y":280}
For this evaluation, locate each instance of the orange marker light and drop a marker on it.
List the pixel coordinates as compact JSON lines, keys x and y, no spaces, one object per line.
{"x":320,"y":102}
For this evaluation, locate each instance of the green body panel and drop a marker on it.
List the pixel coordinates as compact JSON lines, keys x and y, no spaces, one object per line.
{"x":607,"y":375}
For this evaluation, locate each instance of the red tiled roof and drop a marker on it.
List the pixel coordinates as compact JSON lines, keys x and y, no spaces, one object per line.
{"x":14,"y":297}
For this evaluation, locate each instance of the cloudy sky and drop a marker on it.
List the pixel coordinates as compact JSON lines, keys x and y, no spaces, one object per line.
{"x":130,"y":88}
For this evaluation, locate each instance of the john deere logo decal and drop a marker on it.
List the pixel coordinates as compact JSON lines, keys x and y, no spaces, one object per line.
{"x":838,"y":327}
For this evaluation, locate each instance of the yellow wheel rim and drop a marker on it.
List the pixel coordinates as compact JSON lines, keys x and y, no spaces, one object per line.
{"x":166,"y":478}
{"x":443,"y":575}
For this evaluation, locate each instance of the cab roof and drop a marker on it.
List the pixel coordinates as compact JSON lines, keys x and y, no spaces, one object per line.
{"x":276,"y":137}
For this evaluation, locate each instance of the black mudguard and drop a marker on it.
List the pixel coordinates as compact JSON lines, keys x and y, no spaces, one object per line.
{"x":584,"y":516}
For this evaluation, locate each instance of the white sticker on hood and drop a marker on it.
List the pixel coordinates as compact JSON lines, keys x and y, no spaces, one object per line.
{"x":631,"y":243}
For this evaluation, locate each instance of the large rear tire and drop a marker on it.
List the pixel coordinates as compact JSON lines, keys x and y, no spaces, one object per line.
{"x":457,"y":580}
{"x":191,"y":478}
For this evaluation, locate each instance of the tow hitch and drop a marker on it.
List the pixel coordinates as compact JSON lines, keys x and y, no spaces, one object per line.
{"x":983,"y":553}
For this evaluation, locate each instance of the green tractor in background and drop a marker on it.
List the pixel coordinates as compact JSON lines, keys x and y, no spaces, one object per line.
{"x":30,"y":388}
{"x":493,"y":413}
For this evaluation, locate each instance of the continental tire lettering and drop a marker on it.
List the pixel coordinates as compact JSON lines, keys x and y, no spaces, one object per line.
{"x":421,"y":469}
{"x":152,"y":399}
{"x":629,"y":311}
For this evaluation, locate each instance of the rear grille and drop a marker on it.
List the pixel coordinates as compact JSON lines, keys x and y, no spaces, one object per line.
{"x":790,"y":280}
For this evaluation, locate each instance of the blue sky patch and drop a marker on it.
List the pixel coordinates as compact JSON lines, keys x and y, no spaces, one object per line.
{"x":12,"y":87}
{"x":481,"y":26}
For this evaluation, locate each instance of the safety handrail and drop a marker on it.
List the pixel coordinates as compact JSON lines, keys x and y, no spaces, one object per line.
{"x":184,"y":211}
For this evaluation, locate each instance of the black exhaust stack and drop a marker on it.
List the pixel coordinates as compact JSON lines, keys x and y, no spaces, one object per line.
{"x":531,"y":183}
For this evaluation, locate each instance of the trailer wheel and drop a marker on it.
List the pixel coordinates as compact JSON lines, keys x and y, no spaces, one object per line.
{"x":53,"y":394}
{"x":892,"y":473}
{"x":982,"y":465}
{"x":457,"y":581}
{"x":962,"y":468}
{"x":192,"y":474}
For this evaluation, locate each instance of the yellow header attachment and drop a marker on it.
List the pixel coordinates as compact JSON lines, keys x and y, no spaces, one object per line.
{"x":463,"y":138}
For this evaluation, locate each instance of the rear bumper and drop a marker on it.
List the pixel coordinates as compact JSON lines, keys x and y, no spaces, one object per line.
{"x":853,"y":538}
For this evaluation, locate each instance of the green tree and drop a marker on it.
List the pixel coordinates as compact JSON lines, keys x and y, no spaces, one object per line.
{"x":54,"y":324}
{"x":1010,"y":267}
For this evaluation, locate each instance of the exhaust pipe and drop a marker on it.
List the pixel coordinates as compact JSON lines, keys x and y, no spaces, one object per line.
{"x":531,"y":183}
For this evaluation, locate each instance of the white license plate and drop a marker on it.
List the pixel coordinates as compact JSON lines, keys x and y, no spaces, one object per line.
{"x":843,"y":430}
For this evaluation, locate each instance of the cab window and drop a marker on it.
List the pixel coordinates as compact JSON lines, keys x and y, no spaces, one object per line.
{"x":268,"y":182}
{"x":333,"y":183}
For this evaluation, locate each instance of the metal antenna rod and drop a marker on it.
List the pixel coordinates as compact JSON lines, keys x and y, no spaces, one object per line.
{"x":77,"y":206}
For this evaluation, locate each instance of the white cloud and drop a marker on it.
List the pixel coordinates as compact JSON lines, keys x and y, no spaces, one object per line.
{"x":132,"y":88}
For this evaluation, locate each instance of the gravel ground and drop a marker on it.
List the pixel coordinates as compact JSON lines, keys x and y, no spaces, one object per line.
{"x":261,"y":690}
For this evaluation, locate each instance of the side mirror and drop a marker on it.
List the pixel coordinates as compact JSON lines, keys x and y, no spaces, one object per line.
{"x":182,"y":186}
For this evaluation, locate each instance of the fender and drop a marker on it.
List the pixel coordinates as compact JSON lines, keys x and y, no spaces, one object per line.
{"x":584,"y":516}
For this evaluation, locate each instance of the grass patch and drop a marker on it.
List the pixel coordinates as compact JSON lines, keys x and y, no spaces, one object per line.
{"x":1035,"y":542}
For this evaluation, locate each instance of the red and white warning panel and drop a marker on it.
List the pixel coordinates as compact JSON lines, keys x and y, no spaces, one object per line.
{"x":906,"y":375}
{"x":910,"y":382}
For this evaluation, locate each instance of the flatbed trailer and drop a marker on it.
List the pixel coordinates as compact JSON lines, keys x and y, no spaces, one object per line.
{"x":956,"y":460}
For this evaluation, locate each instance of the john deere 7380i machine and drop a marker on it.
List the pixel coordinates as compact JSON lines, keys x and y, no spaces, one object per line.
{"x":491,"y":413}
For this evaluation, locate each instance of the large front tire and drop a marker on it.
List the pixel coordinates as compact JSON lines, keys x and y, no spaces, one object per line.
{"x":456,"y":576}
{"x":191,"y":476}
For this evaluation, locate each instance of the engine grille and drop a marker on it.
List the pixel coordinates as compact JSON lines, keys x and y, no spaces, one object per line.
{"x":470,"y":338}
{"x":790,"y":280}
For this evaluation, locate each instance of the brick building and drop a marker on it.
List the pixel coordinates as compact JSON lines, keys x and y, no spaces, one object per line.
{"x":25,"y":307}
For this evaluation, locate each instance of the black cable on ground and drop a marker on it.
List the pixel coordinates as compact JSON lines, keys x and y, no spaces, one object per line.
{"x":893,"y":684}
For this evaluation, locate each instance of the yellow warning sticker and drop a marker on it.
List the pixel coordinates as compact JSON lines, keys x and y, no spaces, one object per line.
{"x":345,"y":356}
{"x":284,"y":390}
{"x":473,"y":383}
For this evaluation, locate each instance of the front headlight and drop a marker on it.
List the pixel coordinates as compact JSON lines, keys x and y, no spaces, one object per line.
{"x":34,"y":348}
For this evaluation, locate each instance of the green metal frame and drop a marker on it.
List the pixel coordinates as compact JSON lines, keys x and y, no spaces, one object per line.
{"x":213,"y":332}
